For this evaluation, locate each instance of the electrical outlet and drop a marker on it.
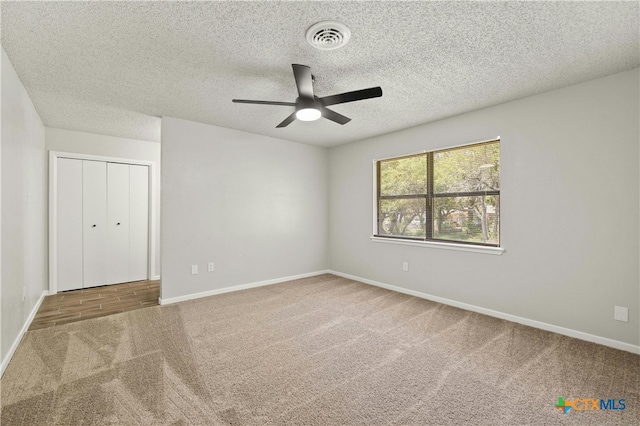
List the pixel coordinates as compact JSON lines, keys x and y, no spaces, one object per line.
{"x":194,"y":269}
{"x":620,"y":313}
{"x":405,"y":266}
{"x":210,"y":267}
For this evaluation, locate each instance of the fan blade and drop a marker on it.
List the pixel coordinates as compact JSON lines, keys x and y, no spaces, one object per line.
{"x":304,"y":82}
{"x":334,"y":116}
{"x":356,"y":95}
{"x":287,"y":121}
{"x":245,"y":101}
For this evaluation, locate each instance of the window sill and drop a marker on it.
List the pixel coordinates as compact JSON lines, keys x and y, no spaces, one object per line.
{"x":445,"y":246}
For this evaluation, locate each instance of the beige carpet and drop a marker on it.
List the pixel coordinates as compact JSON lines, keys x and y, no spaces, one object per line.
{"x":317,"y":351}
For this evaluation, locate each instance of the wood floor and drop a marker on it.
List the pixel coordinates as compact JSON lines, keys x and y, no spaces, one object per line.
{"x":78,"y":305}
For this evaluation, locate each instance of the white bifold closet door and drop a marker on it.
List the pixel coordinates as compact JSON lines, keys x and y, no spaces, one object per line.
{"x":102,"y":223}
{"x":69,"y":224}
{"x":117,"y":223}
{"x":139,"y":218}
{"x":94,"y":220}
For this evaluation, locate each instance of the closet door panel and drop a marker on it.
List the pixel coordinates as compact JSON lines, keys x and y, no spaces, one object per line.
{"x":117,"y":223}
{"x":139,"y":216}
{"x":69,"y":224}
{"x":94,"y":221}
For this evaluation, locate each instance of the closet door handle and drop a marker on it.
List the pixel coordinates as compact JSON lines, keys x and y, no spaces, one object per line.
{"x":118,"y":223}
{"x":93,"y":226}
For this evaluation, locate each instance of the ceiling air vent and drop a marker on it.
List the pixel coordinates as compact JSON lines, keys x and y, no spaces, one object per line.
{"x":328,"y":35}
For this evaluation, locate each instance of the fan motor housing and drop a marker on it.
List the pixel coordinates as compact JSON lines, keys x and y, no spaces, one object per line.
{"x":302,"y":103}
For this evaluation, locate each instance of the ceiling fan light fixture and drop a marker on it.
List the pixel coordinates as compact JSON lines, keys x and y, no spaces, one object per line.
{"x":308,"y":114}
{"x":309,"y":107}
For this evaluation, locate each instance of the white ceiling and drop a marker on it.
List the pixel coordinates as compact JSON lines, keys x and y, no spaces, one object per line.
{"x":114,"y":68}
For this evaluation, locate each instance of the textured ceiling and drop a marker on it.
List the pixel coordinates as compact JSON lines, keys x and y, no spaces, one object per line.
{"x":115,"y":67}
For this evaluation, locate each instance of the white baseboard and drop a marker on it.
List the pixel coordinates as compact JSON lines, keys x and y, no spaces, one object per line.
{"x":154,"y":278}
{"x":239,"y":287}
{"x":24,"y":329}
{"x":513,"y":318}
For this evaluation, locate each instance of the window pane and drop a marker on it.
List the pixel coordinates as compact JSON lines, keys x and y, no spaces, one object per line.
{"x":472,"y":219}
{"x":404,"y":176}
{"x":467,"y":169}
{"x":403,"y":217}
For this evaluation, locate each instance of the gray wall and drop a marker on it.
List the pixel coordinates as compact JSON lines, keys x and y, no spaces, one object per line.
{"x":569,"y":204}
{"x":24,"y":207}
{"x":254,"y":205}
{"x":110,"y":146}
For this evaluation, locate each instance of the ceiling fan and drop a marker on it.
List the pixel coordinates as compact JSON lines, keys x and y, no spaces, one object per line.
{"x":309,"y":107}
